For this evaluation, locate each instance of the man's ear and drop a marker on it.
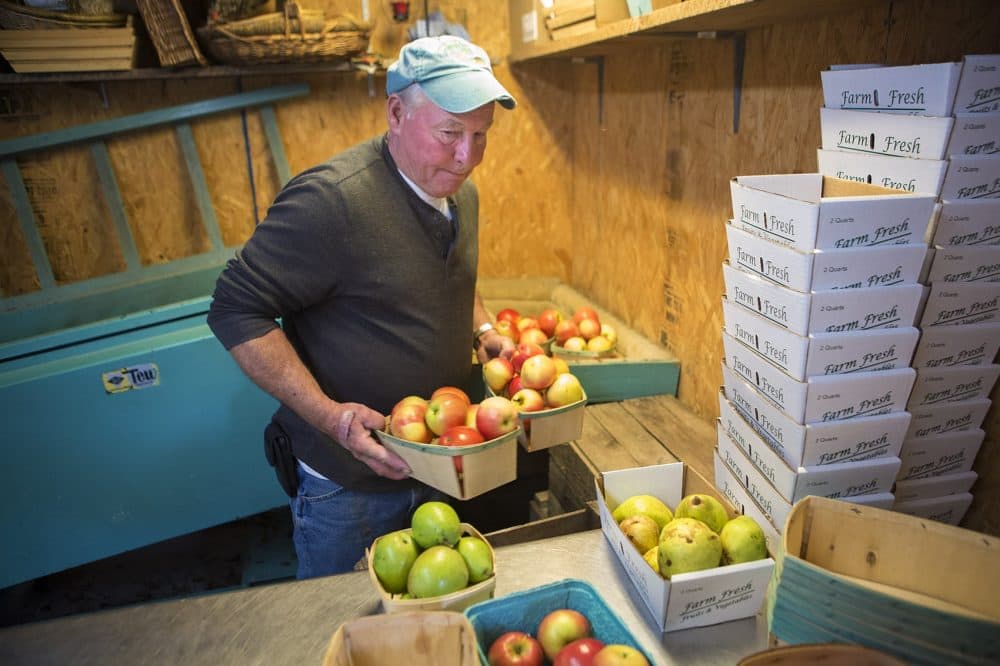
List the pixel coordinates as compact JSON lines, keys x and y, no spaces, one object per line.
{"x":394,"y":111}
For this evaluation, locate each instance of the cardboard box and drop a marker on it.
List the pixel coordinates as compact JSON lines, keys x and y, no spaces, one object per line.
{"x":527,"y":20}
{"x":688,"y":600}
{"x":948,"y":509}
{"x":954,"y":384}
{"x":736,"y":492}
{"x":927,"y":90}
{"x":947,"y":417}
{"x":979,"y":85}
{"x":852,"y":268}
{"x":947,"y":346}
{"x":975,"y":134}
{"x":965,"y":263}
{"x":946,"y":453}
{"x":968,"y":222}
{"x":418,"y":639}
{"x":907,"y":174}
{"x":934,"y":486}
{"x":821,"y":353}
{"x":831,"y":310}
{"x":826,"y":398}
{"x":841,"y":479}
{"x":960,"y":304}
{"x":919,"y":137}
{"x":814,"y":444}
{"x":484,"y":466}
{"x":810,"y":211}
{"x":971,"y":177}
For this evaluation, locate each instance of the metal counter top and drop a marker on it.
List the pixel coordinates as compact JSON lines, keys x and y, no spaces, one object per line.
{"x":292,"y":622}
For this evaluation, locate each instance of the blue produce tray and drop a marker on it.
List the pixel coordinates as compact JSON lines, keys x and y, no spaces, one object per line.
{"x":524,"y":610}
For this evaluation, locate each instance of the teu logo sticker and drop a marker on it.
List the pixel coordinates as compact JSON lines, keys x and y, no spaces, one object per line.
{"x":136,"y":377}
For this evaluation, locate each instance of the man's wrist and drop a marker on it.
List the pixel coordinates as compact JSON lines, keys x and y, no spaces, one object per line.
{"x":479,"y":333}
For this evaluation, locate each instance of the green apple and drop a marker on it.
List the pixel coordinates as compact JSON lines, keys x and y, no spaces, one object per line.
{"x":392,"y":558}
{"x":436,"y":571}
{"x":647,"y":505}
{"x":641,"y":530}
{"x":687,"y":545}
{"x":742,"y":540}
{"x":705,"y":508}
{"x":478,"y":558}
{"x":435,"y":523}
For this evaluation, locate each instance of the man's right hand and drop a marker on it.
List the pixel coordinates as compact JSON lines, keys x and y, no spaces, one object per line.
{"x":352,"y":428}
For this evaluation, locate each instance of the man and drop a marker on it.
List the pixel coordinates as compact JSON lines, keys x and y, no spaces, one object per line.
{"x":370,"y":262}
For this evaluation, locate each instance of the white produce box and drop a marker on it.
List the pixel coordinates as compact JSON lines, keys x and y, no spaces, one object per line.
{"x":810,"y":211}
{"x":934,"y":386}
{"x":948,"y":453}
{"x":971,"y":177}
{"x":965,"y":263}
{"x":836,"y":480}
{"x":813,"y":444}
{"x":947,"y":417}
{"x":947,"y":346}
{"x":919,"y":137}
{"x":934,"y":486}
{"x":907,"y":174}
{"x":968,"y":222}
{"x":821,"y":353}
{"x":688,"y":600}
{"x":927,"y":89}
{"x":946,"y":509}
{"x":736,"y":492}
{"x":825,"y":398}
{"x":978,"y":88}
{"x":852,"y":268}
{"x":830,"y":310}
{"x":975,"y":134}
{"x":960,"y":304}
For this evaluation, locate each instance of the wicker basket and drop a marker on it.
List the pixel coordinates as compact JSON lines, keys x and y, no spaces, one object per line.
{"x":14,"y":16}
{"x":171,"y":34}
{"x":293,"y":20}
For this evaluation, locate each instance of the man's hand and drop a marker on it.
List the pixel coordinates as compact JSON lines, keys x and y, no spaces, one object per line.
{"x":352,"y":426}
{"x":492,"y":344}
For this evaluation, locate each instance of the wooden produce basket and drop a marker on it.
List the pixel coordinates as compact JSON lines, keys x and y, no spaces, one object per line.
{"x":432,"y":638}
{"x":638,"y":368}
{"x":548,"y":427}
{"x":918,"y":589}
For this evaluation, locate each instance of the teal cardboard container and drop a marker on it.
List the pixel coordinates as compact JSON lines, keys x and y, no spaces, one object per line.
{"x":524,"y":610}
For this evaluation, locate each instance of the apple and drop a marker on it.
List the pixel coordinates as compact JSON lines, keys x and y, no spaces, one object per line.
{"x":565,"y":330}
{"x":562,"y":367}
{"x":575,"y":343}
{"x":514,"y":385}
{"x":547,"y":320}
{"x":610,"y":333}
{"x":478,"y":558}
{"x":508,"y":314}
{"x":460,"y":435}
{"x":585,"y":312}
{"x":535,"y":336}
{"x":599,"y":344}
{"x":515,"y":648}
{"x":561,"y":627}
{"x":619,"y":655}
{"x":497,"y":372}
{"x":538,"y":372}
{"x":580,"y":652}
{"x":454,"y":390}
{"x":589,"y":328}
{"x":528,"y":400}
{"x":565,"y":390}
{"x":392,"y":558}
{"x":508,"y":329}
{"x":408,"y":400}
{"x":445,"y":411}
{"x":497,"y":416}
{"x":525,"y":322}
{"x":408,"y":422}
{"x":470,"y":415}
{"x":522,"y":352}
{"x":436,"y":571}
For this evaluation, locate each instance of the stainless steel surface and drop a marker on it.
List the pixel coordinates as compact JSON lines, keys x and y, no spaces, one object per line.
{"x":291,"y":623}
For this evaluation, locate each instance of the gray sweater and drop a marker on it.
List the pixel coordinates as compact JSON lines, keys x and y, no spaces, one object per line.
{"x":374,"y":289}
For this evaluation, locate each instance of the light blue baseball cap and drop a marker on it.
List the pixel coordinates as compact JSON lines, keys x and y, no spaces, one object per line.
{"x":454,"y":73}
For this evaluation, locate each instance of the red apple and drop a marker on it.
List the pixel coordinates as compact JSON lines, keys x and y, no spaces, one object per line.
{"x":508,"y":329}
{"x":538,"y":372}
{"x":498,"y":372}
{"x":454,"y":390}
{"x":526,"y":322}
{"x":565,"y":390}
{"x":589,"y":328}
{"x":460,"y":435}
{"x":508,"y":314}
{"x":407,"y":422}
{"x":561,"y":627}
{"x":408,"y":400}
{"x":514,"y":385}
{"x":619,"y":655}
{"x":535,"y":336}
{"x":585,"y":312}
{"x":528,"y":400}
{"x":445,"y":411}
{"x":547,"y":320}
{"x":580,"y":652}
{"x":522,"y":352}
{"x":497,"y":416}
{"x":515,"y":648}
{"x":565,"y":330}
{"x":470,"y":415}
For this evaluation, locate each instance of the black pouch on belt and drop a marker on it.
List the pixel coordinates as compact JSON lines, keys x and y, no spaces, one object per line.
{"x":278,"y":450}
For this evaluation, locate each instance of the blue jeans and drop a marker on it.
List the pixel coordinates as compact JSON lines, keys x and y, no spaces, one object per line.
{"x":333,"y":525}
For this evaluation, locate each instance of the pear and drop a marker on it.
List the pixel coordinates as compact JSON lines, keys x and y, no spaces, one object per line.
{"x":652,"y":557}
{"x":742,"y":540}
{"x":705,"y":508}
{"x":688,"y":545}
{"x":642,"y":531}
{"x":647,"y":505}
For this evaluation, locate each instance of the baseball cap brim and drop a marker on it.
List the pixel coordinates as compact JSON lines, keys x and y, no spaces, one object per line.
{"x":464,"y":91}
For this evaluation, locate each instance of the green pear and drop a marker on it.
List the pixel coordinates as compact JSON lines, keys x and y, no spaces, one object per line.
{"x":647,"y":505}
{"x":478,"y":558}
{"x":641,"y":530}
{"x":705,"y":508}
{"x":742,"y":540}
{"x":392,"y":558}
{"x":688,"y":545}
{"x":652,"y":557}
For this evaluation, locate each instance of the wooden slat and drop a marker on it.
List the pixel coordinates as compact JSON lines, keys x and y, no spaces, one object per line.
{"x":201,"y":193}
{"x":113,"y":199}
{"x":687,"y":436}
{"x":26,"y":218}
{"x":270,"y":123}
{"x":630,"y":436}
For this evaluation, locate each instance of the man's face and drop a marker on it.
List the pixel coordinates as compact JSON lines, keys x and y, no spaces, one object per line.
{"x":436,"y":149}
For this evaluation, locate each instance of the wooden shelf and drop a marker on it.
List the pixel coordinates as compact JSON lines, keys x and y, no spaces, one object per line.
{"x":683,"y":19}
{"x":214,"y":71}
